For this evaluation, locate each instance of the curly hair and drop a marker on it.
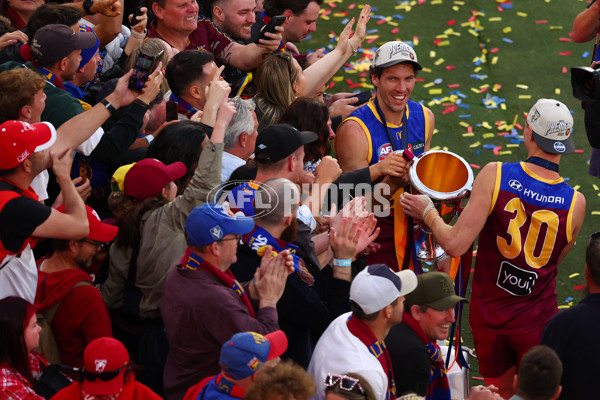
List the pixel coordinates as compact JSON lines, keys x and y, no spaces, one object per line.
{"x":283,"y":381}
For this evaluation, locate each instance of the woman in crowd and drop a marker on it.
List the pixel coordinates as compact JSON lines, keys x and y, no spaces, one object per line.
{"x":19,"y":364}
{"x":19,"y":11}
{"x":350,"y":386}
{"x":279,"y":78}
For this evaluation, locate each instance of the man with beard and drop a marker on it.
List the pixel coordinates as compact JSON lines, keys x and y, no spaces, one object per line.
{"x":308,"y":303}
{"x":66,"y":290}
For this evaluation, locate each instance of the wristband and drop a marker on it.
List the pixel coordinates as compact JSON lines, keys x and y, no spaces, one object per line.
{"x":149,"y":138}
{"x":142,"y":103}
{"x":111,"y":109}
{"x":139,"y":36}
{"x":429,"y":213}
{"x":353,"y":51}
{"x":342,"y":263}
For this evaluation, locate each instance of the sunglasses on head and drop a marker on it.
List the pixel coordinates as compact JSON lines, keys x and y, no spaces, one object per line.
{"x":345,"y":382}
{"x":103,"y":376}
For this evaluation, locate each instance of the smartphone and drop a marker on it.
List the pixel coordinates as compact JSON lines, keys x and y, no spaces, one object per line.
{"x":363,"y":97}
{"x":277,"y":20}
{"x":137,"y":12}
{"x":144,"y":66}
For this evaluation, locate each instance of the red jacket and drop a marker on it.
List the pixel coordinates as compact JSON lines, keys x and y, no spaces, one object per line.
{"x":133,"y":390}
{"x":80,"y":318}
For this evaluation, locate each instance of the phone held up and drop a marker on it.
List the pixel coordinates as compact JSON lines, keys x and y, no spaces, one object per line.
{"x":277,"y":20}
{"x":144,"y":66}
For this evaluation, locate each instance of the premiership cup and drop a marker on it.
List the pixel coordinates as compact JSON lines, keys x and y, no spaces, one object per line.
{"x":447,"y":179}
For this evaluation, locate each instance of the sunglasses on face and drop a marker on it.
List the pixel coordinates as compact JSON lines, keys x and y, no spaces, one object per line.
{"x":100,"y":246}
{"x":103,"y":376}
{"x":345,"y":382}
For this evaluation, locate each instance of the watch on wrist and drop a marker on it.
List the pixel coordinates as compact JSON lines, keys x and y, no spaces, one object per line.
{"x":87,"y":5}
{"x":111,"y":109}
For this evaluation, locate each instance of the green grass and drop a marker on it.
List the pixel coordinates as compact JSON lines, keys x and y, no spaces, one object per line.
{"x":532,"y":59}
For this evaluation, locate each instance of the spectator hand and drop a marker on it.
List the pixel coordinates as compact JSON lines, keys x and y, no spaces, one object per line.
{"x":84,"y":189}
{"x":152,"y":85}
{"x":269,"y":280}
{"x":109,"y":8}
{"x":341,"y":104}
{"x":61,"y":164}
{"x":217,"y":89}
{"x":354,"y":208}
{"x":11,"y":38}
{"x":344,"y":240}
{"x":272,"y":42}
{"x":393,"y":165}
{"x":291,"y":47}
{"x":328,"y":170}
{"x":226,"y":113}
{"x":346,"y":43}
{"x":315,"y":56}
{"x":139,"y":25}
{"x":484,"y":393}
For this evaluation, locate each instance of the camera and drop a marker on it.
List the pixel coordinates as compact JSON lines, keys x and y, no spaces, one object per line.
{"x":586,"y":83}
{"x":144,"y":66}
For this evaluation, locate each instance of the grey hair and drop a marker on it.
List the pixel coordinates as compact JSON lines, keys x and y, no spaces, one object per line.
{"x":242,"y":121}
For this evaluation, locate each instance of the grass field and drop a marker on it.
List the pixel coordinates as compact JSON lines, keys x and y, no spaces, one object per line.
{"x":485,"y":64}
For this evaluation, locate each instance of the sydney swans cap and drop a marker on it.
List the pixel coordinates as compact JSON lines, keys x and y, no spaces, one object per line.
{"x":552,"y":125}
{"x":393,"y":53}
{"x":377,"y":286}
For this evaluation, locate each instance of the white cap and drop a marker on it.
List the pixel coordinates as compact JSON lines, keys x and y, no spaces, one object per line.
{"x":393,"y":53}
{"x":377,"y":286}
{"x":552,"y":124}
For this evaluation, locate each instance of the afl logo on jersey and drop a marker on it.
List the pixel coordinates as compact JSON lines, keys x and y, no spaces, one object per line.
{"x":515,"y":184}
{"x":384,"y":150}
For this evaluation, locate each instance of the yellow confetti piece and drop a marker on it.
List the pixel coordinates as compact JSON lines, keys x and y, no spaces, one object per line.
{"x":512,"y":145}
{"x":515,"y":120}
{"x":464,"y":124}
{"x":432,"y":54}
{"x":435,"y":91}
{"x":439,"y":61}
{"x":468,"y":134}
{"x":524,"y":96}
{"x":573,"y":275}
{"x":557,"y":91}
{"x":576,"y":187}
{"x":475,"y":90}
{"x":522,"y":14}
{"x":339,"y":14}
{"x":595,"y":186}
{"x":441,"y":37}
{"x":503,"y":106}
{"x":426,"y":70}
{"x":495,"y":19}
{"x":444,"y":43}
{"x":476,"y":144}
{"x":595,"y":212}
{"x":428,"y":85}
{"x":488,"y":135}
{"x":505,"y":152}
{"x":436,"y":148}
{"x":476,"y":70}
{"x":556,"y":28}
{"x":494,"y":60}
{"x":459,"y":3}
{"x":472,"y":32}
{"x":338,"y":78}
{"x":521,"y":86}
{"x":455,"y":8}
{"x":506,"y":30}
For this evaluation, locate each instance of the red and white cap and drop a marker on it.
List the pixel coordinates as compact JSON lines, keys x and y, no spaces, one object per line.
{"x":19,"y":140}
{"x":101,"y":356}
{"x":98,"y":230}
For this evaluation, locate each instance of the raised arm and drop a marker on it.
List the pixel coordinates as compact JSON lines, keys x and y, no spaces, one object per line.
{"x":321,"y":71}
{"x":249,"y":56}
{"x":586,"y":24}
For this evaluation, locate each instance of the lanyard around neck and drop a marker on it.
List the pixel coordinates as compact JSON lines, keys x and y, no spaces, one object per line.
{"x":543,"y":163}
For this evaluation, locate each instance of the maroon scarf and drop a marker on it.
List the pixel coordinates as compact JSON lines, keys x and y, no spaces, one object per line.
{"x":195,"y":262}
{"x":377,"y":348}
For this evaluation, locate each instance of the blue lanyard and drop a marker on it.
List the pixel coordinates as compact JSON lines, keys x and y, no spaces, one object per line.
{"x":543,"y":163}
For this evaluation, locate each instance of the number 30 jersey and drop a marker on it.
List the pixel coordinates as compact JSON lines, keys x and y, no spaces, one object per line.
{"x":529,"y":224}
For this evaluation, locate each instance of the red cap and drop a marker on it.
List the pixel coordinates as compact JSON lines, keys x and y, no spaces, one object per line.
{"x":149,"y":176}
{"x":104,"y":355}
{"x":19,"y":140}
{"x":98,"y":230}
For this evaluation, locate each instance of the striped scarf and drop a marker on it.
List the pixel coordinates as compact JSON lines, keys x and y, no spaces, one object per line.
{"x":438,"y":388}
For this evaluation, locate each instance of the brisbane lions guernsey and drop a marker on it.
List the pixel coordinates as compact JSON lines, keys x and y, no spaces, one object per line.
{"x":379,"y":144}
{"x":528,"y":226}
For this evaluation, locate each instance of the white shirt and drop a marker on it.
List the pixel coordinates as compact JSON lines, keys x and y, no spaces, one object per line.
{"x":230,"y":163}
{"x":338,"y":351}
{"x":19,"y":276}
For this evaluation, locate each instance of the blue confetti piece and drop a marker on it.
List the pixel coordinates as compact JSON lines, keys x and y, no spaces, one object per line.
{"x":309,"y":37}
{"x":506,"y":5}
{"x":398,"y":16}
{"x":438,"y":81}
{"x":507,"y":40}
{"x":373,"y":8}
{"x":568,"y":299}
{"x":478,"y":62}
{"x":489,"y":146}
{"x":371,"y":31}
{"x":462,"y":105}
{"x":465,"y":116}
{"x":514,"y":131}
{"x":478,"y":152}
{"x":585,"y":54}
{"x":345,"y":21}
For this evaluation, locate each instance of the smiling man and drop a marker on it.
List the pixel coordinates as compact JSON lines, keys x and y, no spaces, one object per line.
{"x":416,"y":358}
{"x":388,"y":122}
{"x":234,"y":17}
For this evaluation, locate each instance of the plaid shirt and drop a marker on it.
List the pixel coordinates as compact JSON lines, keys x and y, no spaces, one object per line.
{"x":14,"y":386}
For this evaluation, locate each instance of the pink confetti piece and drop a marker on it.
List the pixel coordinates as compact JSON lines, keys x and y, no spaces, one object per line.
{"x":565,"y":39}
{"x":564,"y":70}
{"x":578,"y":151}
{"x":450,"y":67}
{"x":454,"y":85}
{"x":476,"y":167}
{"x":494,"y":50}
{"x":564,"y":53}
{"x":451,"y":22}
{"x":578,"y":287}
{"x":542,"y":21}
{"x":395,"y":30}
{"x":351,"y":6}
